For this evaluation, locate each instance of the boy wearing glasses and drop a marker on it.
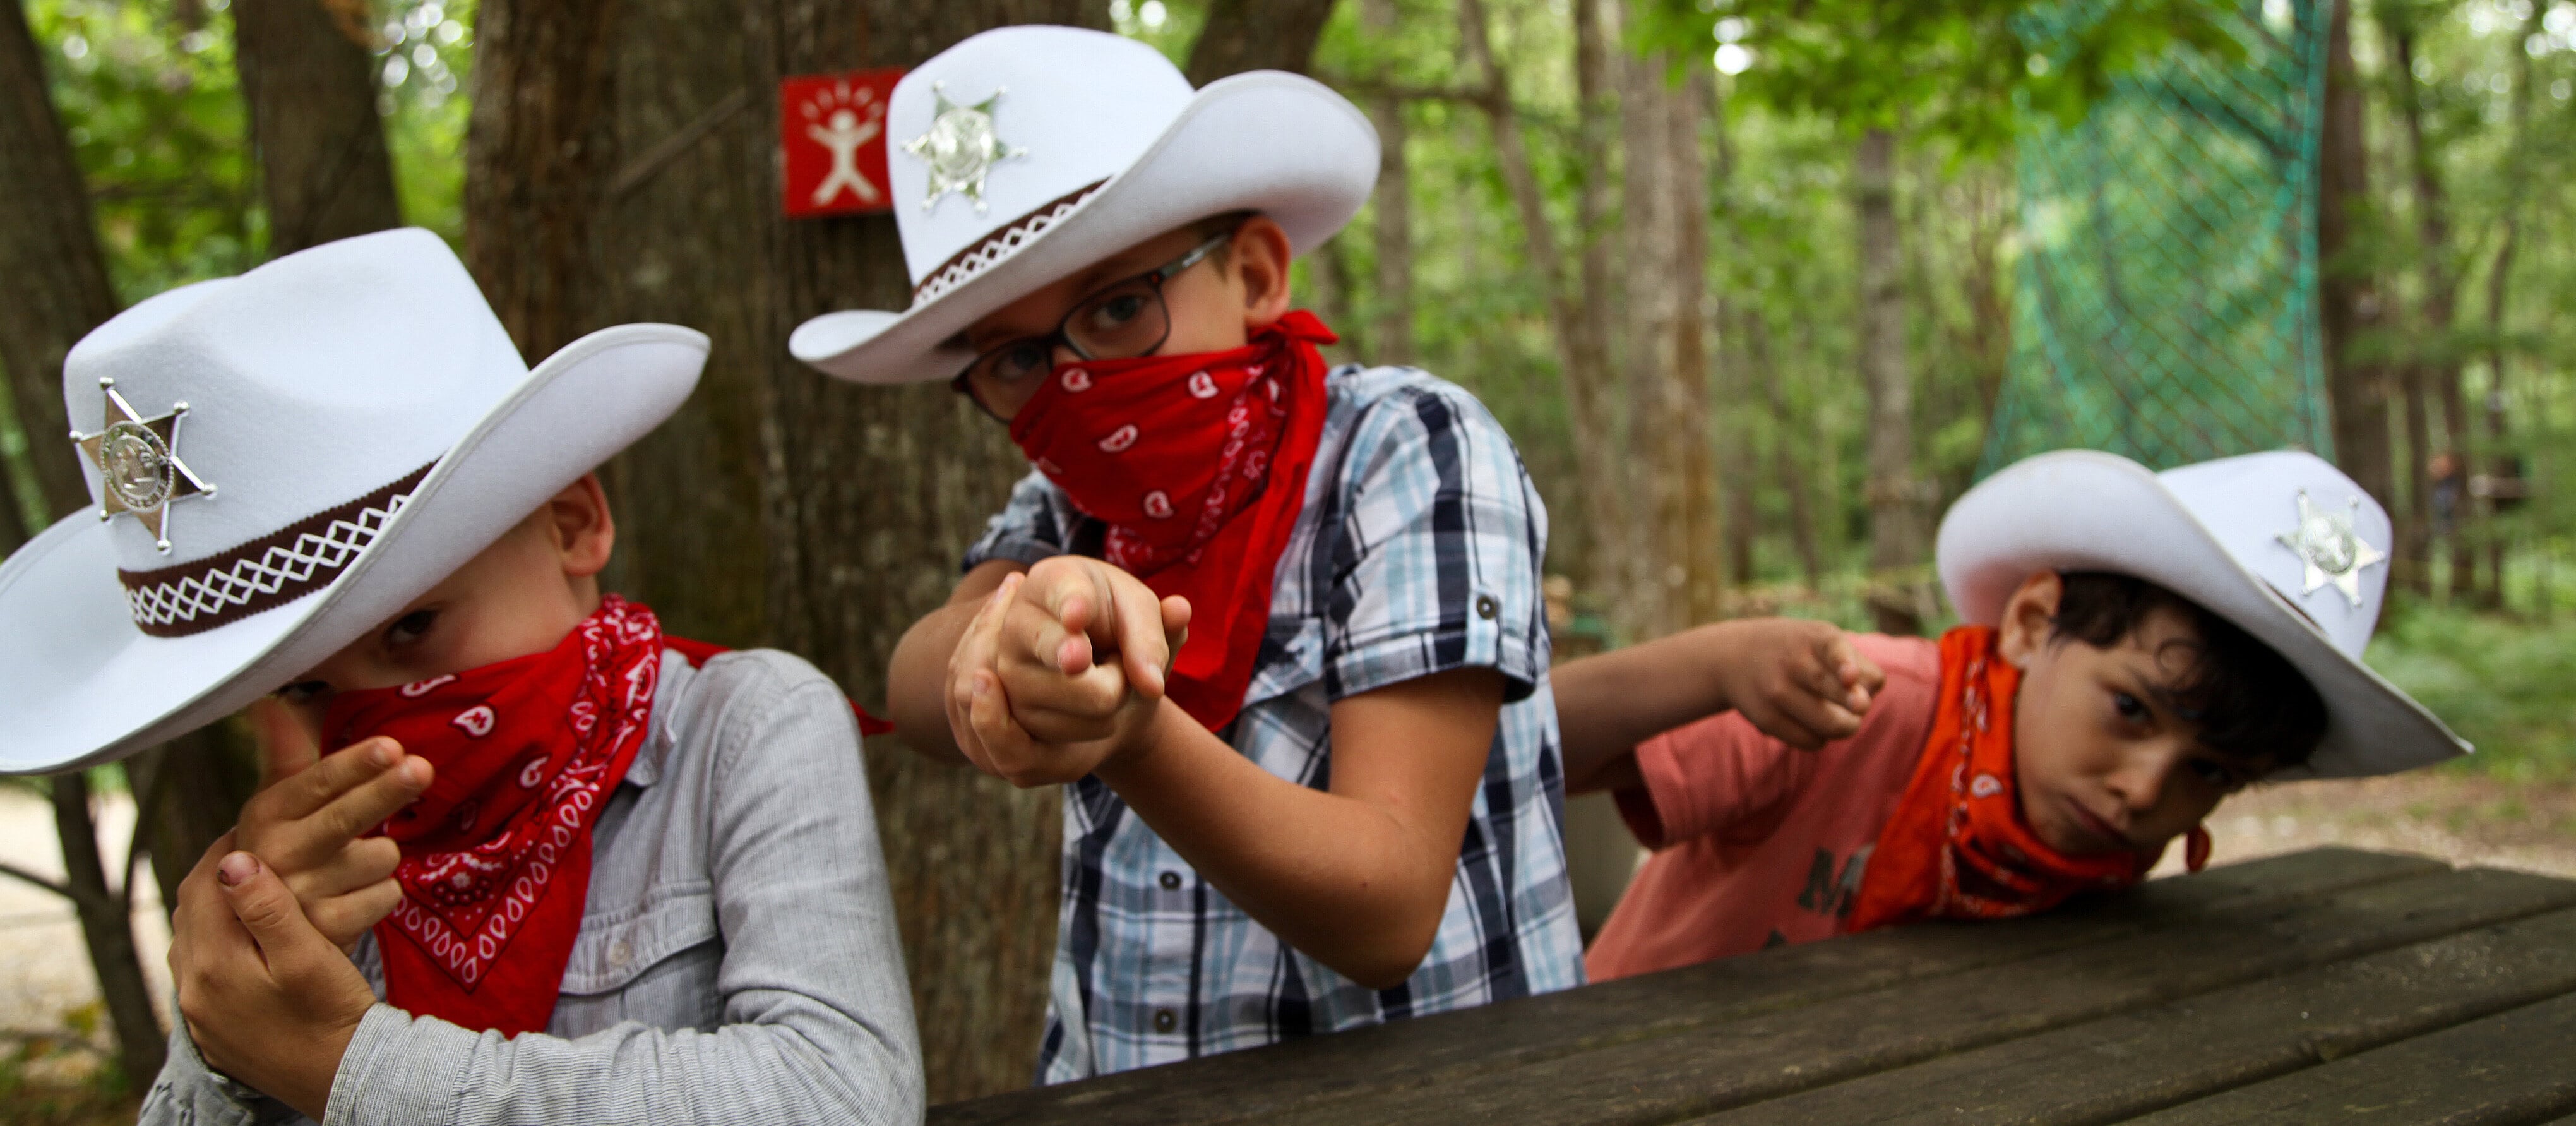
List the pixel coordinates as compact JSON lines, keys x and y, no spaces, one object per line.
{"x":1276,"y":628}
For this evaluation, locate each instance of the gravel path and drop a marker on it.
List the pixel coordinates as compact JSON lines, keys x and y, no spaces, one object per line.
{"x":45,"y":979}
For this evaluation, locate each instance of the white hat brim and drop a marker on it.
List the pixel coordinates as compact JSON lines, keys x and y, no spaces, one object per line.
{"x":2080,"y":510}
{"x":1223,"y":153}
{"x":80,"y":685}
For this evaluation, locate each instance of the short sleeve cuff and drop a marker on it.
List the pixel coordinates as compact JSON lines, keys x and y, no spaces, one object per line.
{"x":1480,"y":643}
{"x":1663,"y":810}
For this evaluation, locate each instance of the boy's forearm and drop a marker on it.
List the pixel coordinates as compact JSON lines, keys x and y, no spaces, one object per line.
{"x":1352,"y":883}
{"x":917,"y":677}
{"x":1608,"y":703}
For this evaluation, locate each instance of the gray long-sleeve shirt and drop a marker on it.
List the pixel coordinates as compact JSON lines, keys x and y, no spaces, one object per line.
{"x":737,"y":960}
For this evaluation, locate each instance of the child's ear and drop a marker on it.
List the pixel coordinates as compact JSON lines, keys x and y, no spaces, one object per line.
{"x":584,"y":532}
{"x":1260,"y":257}
{"x":2029,"y":616}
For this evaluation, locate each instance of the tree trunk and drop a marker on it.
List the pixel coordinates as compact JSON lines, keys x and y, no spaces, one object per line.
{"x":1896,"y":530}
{"x":53,"y":291}
{"x":1391,"y":330}
{"x":107,"y":926}
{"x":308,"y":76}
{"x":2348,"y":298}
{"x":2434,"y":365}
{"x":2502,"y":464}
{"x":779,"y":507}
{"x":1667,"y":230}
{"x":53,"y":280}
{"x":2413,"y":565}
{"x":1243,"y":35}
{"x":1601,"y":508}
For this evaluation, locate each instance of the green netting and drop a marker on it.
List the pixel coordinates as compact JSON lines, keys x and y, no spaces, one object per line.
{"x":2166,"y":296}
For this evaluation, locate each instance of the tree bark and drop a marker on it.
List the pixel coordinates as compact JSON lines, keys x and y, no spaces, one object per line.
{"x":308,"y":77}
{"x":1896,"y":530}
{"x":2347,"y":295}
{"x":107,"y":925}
{"x":1601,"y":508}
{"x":1391,"y":330}
{"x":2434,"y":365}
{"x":1666,"y":227}
{"x":779,"y":507}
{"x":53,"y":291}
{"x":1243,"y":35}
{"x":53,"y":279}
{"x":2502,"y":464}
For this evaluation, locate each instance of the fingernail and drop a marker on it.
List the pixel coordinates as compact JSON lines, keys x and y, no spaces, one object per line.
{"x":382,"y":754}
{"x":416,"y":772}
{"x":236,"y":867}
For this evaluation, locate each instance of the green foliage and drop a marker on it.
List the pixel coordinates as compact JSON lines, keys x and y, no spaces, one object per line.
{"x":147,"y":94}
{"x":2507,"y":686}
{"x":1965,"y":69}
{"x":149,"y":97}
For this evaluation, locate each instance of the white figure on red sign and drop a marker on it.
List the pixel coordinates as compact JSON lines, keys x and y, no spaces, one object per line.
{"x":843,"y":132}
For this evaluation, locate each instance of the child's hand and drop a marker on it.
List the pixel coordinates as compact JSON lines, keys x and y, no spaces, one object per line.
{"x":1797,"y":680}
{"x":305,"y":823}
{"x":266,"y":998}
{"x":1033,"y":694}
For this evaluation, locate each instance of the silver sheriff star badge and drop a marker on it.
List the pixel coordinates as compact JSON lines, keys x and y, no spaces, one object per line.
{"x":2333,"y":552}
{"x":138,"y":464}
{"x":960,"y":148}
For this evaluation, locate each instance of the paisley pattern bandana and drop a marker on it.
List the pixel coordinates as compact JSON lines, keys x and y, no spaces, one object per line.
{"x":1957,"y":847}
{"x":496,"y":855}
{"x":1197,"y":464}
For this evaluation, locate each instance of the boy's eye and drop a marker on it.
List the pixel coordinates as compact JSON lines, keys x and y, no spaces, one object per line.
{"x":1120,"y":309}
{"x":1019,"y":361}
{"x":2212,"y":772}
{"x":2130,"y":707}
{"x":410,"y":627}
{"x":303,"y":691}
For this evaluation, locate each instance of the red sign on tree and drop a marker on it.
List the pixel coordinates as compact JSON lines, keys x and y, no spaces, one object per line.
{"x":832,"y":129}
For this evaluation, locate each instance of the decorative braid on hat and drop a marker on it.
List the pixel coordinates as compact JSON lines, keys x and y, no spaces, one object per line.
{"x":998,"y":245}
{"x":270,"y":571}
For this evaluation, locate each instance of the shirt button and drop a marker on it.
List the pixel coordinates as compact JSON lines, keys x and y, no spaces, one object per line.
{"x":1486,"y":607}
{"x":619,"y":953}
{"x":1171,"y":881}
{"x":1165,"y":1020}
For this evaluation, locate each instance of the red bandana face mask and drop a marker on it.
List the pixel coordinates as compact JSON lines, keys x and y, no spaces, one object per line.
{"x":1957,"y":847}
{"x":496,"y":856}
{"x":1197,"y":464}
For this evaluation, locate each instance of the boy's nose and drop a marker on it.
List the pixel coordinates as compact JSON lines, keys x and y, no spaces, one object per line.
{"x":2139,"y":782}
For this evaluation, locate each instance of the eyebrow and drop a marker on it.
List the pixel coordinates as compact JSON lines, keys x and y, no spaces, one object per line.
{"x":1091,"y":278}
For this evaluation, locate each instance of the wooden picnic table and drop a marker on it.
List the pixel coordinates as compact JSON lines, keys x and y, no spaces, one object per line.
{"x":2326,"y":985}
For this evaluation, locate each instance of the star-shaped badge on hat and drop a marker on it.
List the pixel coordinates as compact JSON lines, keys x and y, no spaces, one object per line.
{"x":961,"y":148}
{"x":138,"y":464}
{"x":2333,"y":552}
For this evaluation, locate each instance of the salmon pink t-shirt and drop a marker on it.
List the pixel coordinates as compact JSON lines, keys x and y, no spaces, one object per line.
{"x":1758,"y":843}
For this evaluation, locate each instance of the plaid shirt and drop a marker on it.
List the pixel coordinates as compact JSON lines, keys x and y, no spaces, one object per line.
{"x":1417,"y":552}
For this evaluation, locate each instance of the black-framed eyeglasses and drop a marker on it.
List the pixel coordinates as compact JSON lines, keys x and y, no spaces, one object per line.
{"x":1122,"y":321}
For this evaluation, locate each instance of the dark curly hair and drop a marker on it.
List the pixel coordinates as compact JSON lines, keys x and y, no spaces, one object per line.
{"x":2251,"y":705}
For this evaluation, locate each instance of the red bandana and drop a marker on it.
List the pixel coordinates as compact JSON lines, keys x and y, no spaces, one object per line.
{"x":496,"y":856}
{"x":1197,"y":464}
{"x":1957,"y":847}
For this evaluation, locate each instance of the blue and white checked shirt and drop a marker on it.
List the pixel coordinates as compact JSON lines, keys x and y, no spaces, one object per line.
{"x":1417,"y":552}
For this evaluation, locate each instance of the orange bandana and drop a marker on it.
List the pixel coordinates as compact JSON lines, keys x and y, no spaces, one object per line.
{"x":1957,"y":847}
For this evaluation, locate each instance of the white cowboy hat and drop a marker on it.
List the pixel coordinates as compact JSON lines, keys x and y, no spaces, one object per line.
{"x":2282,"y":544}
{"x":1026,"y":153}
{"x":282,"y":461}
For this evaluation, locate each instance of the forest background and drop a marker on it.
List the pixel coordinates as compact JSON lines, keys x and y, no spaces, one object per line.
{"x":1740,"y":276}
